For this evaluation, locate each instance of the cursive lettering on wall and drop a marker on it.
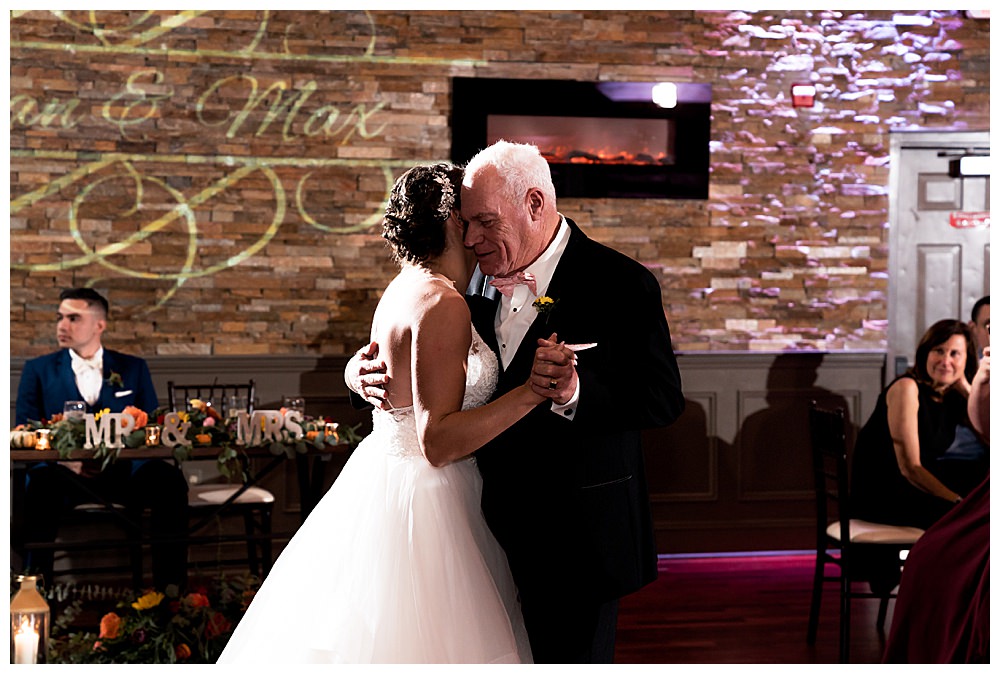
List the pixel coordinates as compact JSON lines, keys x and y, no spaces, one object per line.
{"x":145,"y":93}
{"x":141,"y":99}
{"x":286,"y":103}
{"x":26,"y":111}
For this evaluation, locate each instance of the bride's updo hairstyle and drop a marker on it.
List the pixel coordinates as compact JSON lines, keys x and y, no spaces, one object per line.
{"x":420,"y":204}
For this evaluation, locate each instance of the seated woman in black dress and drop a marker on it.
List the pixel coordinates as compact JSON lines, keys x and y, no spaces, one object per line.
{"x":942,"y":612}
{"x":896,"y":476}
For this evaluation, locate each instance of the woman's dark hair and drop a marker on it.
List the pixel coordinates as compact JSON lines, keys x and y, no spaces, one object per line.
{"x":420,"y":203}
{"x":938,"y":334}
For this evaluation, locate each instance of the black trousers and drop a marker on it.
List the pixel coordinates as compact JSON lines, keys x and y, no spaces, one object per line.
{"x":570,"y":630}
{"x":53,"y":490}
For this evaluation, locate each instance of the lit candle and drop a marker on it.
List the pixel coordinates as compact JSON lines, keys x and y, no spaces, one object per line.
{"x":25,"y":645}
{"x":42,"y":439}
{"x":152,"y":435}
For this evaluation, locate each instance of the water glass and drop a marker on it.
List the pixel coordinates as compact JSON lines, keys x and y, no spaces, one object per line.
{"x":236,"y":404}
{"x":296,"y":403}
{"x":74,"y":410}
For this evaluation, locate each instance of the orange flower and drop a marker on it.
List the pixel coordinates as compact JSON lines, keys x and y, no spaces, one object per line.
{"x":141,"y":418}
{"x":196,"y":600}
{"x":203,"y":439}
{"x":182,"y":651}
{"x":111,"y":623}
{"x":217,"y":624}
{"x":311,"y":435}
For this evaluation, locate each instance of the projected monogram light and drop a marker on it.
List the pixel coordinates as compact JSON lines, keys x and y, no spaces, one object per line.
{"x":189,"y":141}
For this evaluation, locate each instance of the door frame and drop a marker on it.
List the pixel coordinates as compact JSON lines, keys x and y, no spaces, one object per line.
{"x":900,"y":140}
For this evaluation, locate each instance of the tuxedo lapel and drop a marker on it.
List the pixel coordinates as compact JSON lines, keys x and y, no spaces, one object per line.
{"x":66,"y":377}
{"x":110,"y":364}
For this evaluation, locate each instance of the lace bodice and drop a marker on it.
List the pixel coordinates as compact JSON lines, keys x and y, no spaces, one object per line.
{"x":396,"y":430}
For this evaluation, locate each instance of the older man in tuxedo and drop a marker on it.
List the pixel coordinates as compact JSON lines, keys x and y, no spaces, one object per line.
{"x":104,"y":379}
{"x":564,"y":489}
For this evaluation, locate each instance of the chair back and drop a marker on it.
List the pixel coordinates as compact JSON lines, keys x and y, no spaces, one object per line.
{"x":828,"y":436}
{"x":178,"y":395}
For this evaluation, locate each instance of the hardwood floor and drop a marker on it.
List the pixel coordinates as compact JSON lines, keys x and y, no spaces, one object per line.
{"x":740,"y":609}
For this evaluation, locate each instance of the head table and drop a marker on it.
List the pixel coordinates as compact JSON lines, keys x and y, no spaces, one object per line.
{"x":311,"y":464}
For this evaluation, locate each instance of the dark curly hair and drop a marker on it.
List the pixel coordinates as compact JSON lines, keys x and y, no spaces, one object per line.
{"x":420,"y":203}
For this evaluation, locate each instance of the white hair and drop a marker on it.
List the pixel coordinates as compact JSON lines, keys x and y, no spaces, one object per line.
{"x":521,"y":166}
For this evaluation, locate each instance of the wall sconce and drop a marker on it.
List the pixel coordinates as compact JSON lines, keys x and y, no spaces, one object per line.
{"x":665,"y":94}
{"x":969,"y":166}
{"x":29,"y":624}
{"x":803,"y":95}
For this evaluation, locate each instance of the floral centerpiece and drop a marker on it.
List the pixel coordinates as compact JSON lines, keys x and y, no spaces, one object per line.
{"x":203,"y":426}
{"x":157,"y":627}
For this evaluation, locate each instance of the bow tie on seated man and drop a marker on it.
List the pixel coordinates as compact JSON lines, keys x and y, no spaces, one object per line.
{"x":506,"y":284}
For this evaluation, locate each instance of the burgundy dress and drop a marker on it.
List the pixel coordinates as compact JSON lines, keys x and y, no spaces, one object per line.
{"x":942,"y":612}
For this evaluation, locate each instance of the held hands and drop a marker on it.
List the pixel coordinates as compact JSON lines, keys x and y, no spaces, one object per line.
{"x":367,"y":376}
{"x":553,"y":373}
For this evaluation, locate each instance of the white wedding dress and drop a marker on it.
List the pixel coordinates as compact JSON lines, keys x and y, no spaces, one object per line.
{"x":394,"y":565}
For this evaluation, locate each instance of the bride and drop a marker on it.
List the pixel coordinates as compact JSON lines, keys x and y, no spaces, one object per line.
{"x":396,"y":564}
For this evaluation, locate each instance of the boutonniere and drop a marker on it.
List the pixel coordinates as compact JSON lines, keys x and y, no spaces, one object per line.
{"x":114,"y":379}
{"x":544,"y":306}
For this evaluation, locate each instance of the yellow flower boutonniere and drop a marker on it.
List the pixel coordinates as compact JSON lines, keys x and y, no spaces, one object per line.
{"x":114,"y":379}
{"x":544,"y":305}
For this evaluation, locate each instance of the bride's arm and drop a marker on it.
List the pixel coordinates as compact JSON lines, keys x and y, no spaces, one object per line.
{"x":440,"y":347}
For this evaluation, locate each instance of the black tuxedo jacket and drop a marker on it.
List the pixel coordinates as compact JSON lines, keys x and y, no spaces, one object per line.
{"x":48,"y":381}
{"x":567,"y":499}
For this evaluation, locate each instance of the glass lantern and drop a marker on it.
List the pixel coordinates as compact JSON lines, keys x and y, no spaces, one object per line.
{"x":29,"y":624}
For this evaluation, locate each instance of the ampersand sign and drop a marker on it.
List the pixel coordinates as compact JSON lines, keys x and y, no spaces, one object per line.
{"x":174,"y":431}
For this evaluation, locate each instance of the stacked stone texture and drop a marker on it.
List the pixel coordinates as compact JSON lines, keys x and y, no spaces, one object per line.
{"x":220,"y":174}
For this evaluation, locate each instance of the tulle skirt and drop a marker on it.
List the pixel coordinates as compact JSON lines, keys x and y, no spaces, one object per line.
{"x":394,"y":565}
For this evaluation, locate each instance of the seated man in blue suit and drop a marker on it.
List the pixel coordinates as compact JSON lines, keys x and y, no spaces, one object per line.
{"x":84,"y":370}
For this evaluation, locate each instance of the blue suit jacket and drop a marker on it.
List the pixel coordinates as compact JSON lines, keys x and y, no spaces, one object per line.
{"x":48,"y":381}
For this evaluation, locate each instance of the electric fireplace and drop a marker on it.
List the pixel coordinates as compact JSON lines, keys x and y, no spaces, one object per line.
{"x":601,"y":139}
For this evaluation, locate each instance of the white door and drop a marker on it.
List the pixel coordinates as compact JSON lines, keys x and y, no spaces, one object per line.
{"x":939,"y":237}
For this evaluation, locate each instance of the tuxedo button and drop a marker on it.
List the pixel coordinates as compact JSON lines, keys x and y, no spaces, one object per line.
{"x":568,"y":413}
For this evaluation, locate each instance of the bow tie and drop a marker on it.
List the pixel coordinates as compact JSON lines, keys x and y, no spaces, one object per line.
{"x":81,"y":365}
{"x":506,"y":284}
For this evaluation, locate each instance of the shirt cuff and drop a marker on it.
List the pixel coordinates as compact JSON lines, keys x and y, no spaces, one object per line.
{"x":568,"y":410}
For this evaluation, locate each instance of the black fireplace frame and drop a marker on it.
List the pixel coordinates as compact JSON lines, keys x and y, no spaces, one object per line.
{"x":474,"y":99}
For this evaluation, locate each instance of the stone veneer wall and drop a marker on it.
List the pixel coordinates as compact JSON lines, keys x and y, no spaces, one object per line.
{"x":220,"y":174}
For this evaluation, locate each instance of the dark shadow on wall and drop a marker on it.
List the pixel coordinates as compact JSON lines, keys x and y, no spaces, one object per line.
{"x":773,"y":445}
{"x":681,"y":458}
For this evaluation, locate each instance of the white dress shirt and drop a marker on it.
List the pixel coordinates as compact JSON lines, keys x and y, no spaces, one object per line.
{"x":89,"y":374}
{"x":516,"y":314}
